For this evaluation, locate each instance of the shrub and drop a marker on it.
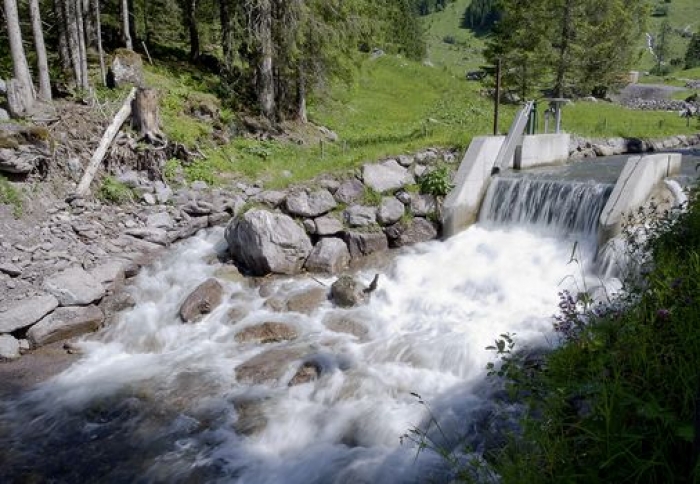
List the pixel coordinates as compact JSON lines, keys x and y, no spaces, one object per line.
{"x":9,"y":195}
{"x":436,"y":182}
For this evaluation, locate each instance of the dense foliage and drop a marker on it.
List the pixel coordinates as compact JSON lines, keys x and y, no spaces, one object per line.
{"x":565,"y":46}
{"x":481,"y":15}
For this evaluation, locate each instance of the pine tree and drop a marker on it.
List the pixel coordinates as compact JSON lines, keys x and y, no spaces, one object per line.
{"x":692,"y":55}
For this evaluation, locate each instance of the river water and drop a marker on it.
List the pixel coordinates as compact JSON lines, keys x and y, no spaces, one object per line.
{"x":155,"y":400}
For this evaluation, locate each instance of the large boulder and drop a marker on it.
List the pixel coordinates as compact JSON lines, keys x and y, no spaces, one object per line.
{"x":202,"y":301}
{"x":65,"y":323}
{"x":74,"y":287}
{"x":269,"y":332}
{"x":423,"y":204}
{"x":327,"y":225}
{"x":390,"y":211}
{"x":360,"y":216}
{"x":386,"y":176}
{"x":418,"y":230}
{"x":26,"y":312}
{"x":329,"y":255}
{"x":365,"y":243}
{"x":350,"y":191}
{"x":263,"y":242}
{"x":126,"y":68}
{"x":311,"y":204}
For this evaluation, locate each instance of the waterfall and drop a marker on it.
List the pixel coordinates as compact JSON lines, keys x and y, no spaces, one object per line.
{"x":547,"y":206}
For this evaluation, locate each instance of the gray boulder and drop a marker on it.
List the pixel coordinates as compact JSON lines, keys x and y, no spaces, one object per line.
{"x":360,"y":216}
{"x":418,"y":230}
{"x":311,"y":204}
{"x":386,"y":176}
{"x":127,"y":68}
{"x":9,"y":347}
{"x":347,"y":292}
{"x":65,"y":323}
{"x":365,"y":243}
{"x":202,"y":301}
{"x":271,"y":198}
{"x":10,"y":269}
{"x":264,"y":242}
{"x":350,"y":191}
{"x":422,"y":204}
{"x":160,"y":220}
{"x":150,"y":234}
{"x":74,"y":287}
{"x":328,"y":225}
{"x":390,"y":211}
{"x":109,"y":271}
{"x":4,"y":115}
{"x":329,"y":255}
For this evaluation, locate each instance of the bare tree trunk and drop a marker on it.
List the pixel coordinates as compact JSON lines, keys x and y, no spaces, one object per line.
{"x":98,"y":28}
{"x":42,"y":63}
{"x":145,"y":115}
{"x":126,"y":31}
{"x":22,"y":97}
{"x":265,"y":84}
{"x":146,"y":25}
{"x":226,"y":34}
{"x":82,"y":50}
{"x":61,"y":22}
{"x":73,"y":36}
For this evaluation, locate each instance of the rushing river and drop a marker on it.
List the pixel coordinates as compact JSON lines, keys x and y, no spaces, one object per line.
{"x":155,"y":400}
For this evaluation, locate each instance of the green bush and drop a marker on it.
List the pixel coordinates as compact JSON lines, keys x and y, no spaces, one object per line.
{"x":436,"y":182}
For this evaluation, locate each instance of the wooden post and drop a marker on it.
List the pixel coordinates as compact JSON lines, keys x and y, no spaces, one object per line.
{"x":497,"y":97}
{"x":106,"y":140}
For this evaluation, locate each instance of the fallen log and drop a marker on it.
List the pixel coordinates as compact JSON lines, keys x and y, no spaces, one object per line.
{"x":101,"y":151}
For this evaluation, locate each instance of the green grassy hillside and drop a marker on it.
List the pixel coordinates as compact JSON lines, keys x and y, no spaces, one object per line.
{"x":681,"y":15}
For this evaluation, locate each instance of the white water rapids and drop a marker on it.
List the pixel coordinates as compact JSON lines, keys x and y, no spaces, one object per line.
{"x":155,"y":400}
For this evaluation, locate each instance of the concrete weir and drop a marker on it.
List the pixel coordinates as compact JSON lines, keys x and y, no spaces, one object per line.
{"x":640,"y":176}
{"x":461,"y":207}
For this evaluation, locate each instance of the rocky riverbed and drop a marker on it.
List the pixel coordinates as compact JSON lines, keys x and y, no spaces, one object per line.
{"x":62,"y":265}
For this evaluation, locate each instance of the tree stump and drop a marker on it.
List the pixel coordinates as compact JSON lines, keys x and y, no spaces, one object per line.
{"x":145,"y":116}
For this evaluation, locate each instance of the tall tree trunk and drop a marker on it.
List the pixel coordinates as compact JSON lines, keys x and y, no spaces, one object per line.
{"x":98,"y":32}
{"x":89,"y":24}
{"x":61,"y":23}
{"x":23,"y":95}
{"x":301,"y":94}
{"x":190,"y":21}
{"x":73,"y":36}
{"x":126,"y":30}
{"x":226,"y":34}
{"x":132,"y":22}
{"x":563,"y":63}
{"x":265,"y":79}
{"x":82,"y":50}
{"x":42,"y":63}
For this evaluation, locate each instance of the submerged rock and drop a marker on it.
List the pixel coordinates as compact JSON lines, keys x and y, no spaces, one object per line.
{"x":263,"y":242}
{"x":269,"y":332}
{"x":309,"y":371}
{"x":268,"y":366}
{"x":307,"y":301}
{"x":202,"y":301}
